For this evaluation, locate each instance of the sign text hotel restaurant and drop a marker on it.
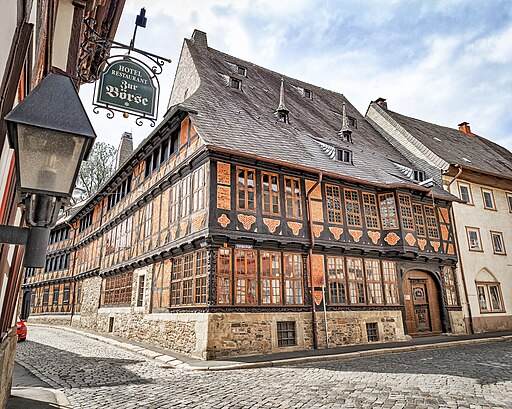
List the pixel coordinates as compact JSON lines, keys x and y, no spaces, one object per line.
{"x":128,"y":86}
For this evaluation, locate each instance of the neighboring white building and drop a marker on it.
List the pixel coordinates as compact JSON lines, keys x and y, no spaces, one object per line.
{"x":480,"y":173}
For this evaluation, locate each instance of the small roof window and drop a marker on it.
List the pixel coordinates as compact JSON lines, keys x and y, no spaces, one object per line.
{"x":235,"y":83}
{"x":241,"y":70}
{"x":419,"y":175}
{"x":308,"y":94}
{"x":344,"y":155}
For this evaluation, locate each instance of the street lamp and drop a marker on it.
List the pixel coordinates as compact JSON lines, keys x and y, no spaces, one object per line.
{"x":51,"y":135}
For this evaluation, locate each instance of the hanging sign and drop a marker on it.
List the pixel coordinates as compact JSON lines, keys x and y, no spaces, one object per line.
{"x":128,"y":86}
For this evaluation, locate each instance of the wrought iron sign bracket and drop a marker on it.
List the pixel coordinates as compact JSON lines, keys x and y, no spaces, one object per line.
{"x":128,"y":97}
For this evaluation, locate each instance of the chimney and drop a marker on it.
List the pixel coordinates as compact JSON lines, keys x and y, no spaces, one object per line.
{"x":199,"y":39}
{"x":464,"y":127}
{"x":382,"y":103}
{"x":125,"y":148}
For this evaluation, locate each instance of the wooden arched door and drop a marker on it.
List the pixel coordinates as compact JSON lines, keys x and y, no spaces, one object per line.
{"x":422,"y":307}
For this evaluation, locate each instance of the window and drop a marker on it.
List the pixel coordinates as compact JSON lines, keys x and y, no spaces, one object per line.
{"x":173,"y":206}
{"x":200,"y":276}
{"x":406,"y":212}
{"x":336,"y":279}
{"x":224,"y":276}
{"x":176,"y":278}
{"x":388,"y":211}
{"x":188,"y":280}
{"x":308,"y":94}
{"x":333,"y":198}
{"x":352,"y":122}
{"x":373,"y":281}
{"x":55,"y":299}
{"x":419,"y":175}
{"x":235,"y":84}
{"x":140,"y":290}
{"x":497,"y":242}
{"x":286,"y":334}
{"x":118,"y":289}
{"x":371,"y":215}
{"x":270,"y":191}
{"x":475,"y":244}
{"x":390,"y":282}
{"x":246,"y":189}
{"x":372,"y":331}
{"x":46,"y":294}
{"x":352,"y":208}
{"x":241,"y":70}
{"x":465,"y":193}
{"x":185,"y":196}
{"x":246,"y":277}
{"x":419,"y":220}
{"x":293,"y":278}
{"x":355,"y":280}
{"x":198,"y":187}
{"x":65,"y":298}
{"x":488,"y":198}
{"x":293,"y":198}
{"x":509,"y":200}
{"x":270,"y":278}
{"x":344,"y":155}
{"x":489,"y":297}
{"x":449,"y":286}
{"x":432,"y":229}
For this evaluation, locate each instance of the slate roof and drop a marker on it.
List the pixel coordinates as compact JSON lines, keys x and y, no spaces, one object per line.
{"x":243,"y":121}
{"x":455,"y":145}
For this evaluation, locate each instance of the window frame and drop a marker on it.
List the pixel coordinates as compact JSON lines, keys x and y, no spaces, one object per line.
{"x":330,"y":204}
{"x":373,"y":283}
{"x":387,"y":206}
{"x":141,"y":290}
{"x":487,"y":292}
{"x":247,"y":276}
{"x":224,"y":275}
{"x":405,"y":207}
{"x":374,"y":207}
{"x":246,"y":189}
{"x":359,"y":283}
{"x":296,"y":198}
{"x":271,"y":277}
{"x":232,"y":81}
{"x":351,"y":202}
{"x":480,"y":247}
{"x":292,"y":278}
{"x":241,"y":70}
{"x":431,"y":227}
{"x":198,"y":189}
{"x":470,"y":192}
{"x":342,"y":154}
{"x":500,"y":235}
{"x":336,"y":281}
{"x":416,"y":216}
{"x":450,"y":286}
{"x":390,"y":284}
{"x":185,"y":196}
{"x":484,"y":191}
{"x":273,"y":197}
{"x":509,"y":201}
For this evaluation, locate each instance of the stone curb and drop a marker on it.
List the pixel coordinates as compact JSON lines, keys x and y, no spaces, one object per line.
{"x":171,"y":362}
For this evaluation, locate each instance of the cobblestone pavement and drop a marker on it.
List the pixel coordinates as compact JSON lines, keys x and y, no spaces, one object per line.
{"x":93,"y":374}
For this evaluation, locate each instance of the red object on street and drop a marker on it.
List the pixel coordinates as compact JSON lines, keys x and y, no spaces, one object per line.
{"x":21,"y":329}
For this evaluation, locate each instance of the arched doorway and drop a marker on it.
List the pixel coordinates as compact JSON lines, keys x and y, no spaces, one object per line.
{"x":25,"y":304}
{"x":422,"y":306}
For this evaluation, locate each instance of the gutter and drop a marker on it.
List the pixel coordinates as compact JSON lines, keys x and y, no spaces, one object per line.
{"x":462,"y":274}
{"x":310,"y":261}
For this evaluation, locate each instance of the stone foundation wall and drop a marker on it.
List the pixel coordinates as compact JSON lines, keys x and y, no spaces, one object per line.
{"x":458,"y":322}
{"x":7,"y":355}
{"x":492,"y":323}
{"x":48,"y":319}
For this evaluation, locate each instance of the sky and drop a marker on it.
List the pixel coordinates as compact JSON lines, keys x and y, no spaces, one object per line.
{"x":444,"y":61}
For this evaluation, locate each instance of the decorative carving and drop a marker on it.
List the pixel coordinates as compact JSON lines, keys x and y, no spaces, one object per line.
{"x":356,"y":234}
{"x":374,"y":236}
{"x":223,"y":220}
{"x":223,"y":173}
{"x":197,"y":222}
{"x":317,"y":230}
{"x":422,"y":243}
{"x":336,"y":232}
{"x":392,"y":238}
{"x":295,"y":226}
{"x":410,"y":239}
{"x":224,"y":197}
{"x":246,"y":220}
{"x":272,"y":224}
{"x":435,"y":245}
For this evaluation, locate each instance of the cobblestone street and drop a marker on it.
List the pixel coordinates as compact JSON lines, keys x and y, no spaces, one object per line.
{"x":93,"y":374}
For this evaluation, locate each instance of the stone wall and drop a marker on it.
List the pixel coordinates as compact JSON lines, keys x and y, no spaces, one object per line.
{"x":91,"y":292}
{"x":492,"y":323}
{"x":7,"y":355}
{"x":48,"y":319}
{"x":458,"y":322}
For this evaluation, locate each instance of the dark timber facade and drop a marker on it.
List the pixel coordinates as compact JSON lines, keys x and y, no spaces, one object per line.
{"x":233,"y":224}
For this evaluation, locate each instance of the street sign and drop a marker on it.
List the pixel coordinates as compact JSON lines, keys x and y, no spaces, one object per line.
{"x":128,"y":86}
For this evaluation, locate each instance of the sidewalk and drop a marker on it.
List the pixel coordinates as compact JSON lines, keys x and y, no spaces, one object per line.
{"x":171,"y":359}
{"x":29,"y":392}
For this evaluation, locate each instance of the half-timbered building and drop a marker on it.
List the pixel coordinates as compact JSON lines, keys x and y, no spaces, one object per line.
{"x":263,"y":214}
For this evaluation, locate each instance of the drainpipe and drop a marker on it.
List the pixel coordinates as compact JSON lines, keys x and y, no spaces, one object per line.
{"x":466,"y":295}
{"x":311,"y":246}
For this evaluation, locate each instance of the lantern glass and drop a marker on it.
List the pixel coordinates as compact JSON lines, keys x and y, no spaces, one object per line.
{"x":48,"y":160}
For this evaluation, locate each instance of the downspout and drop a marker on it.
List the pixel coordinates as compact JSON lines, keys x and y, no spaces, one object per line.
{"x":73,"y":271}
{"x":463,"y":276}
{"x":310,"y":263}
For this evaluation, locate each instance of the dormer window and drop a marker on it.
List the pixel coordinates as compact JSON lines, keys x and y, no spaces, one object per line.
{"x":419,"y":176}
{"x":352,"y":122}
{"x":241,"y":70}
{"x":308,"y":94}
{"x":344,"y":155}
{"x":235,"y":84}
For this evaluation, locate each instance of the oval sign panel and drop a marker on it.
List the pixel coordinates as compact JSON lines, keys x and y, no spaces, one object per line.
{"x":127,"y":85}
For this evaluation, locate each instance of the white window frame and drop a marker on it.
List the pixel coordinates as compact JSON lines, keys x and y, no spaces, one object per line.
{"x":477,"y":230}
{"x":484,"y":289}
{"x":470,"y":193}
{"x":185,"y":196}
{"x":490,"y":191}
{"x":499,"y":234}
{"x":198,"y":189}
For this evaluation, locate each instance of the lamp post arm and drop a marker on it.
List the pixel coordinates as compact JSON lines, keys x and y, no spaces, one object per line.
{"x":13,"y":234}
{"x":35,"y":240}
